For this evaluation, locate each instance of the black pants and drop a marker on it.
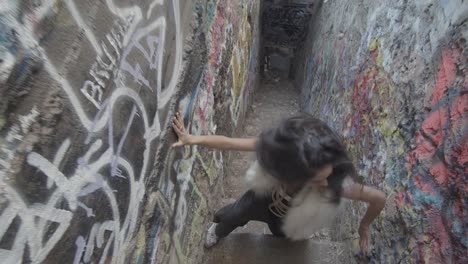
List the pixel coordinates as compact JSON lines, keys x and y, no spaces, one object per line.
{"x":249,"y":207}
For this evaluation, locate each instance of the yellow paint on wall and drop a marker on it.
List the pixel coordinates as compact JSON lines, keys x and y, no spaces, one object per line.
{"x":373,"y":45}
{"x":380,"y":59}
{"x":210,"y":169}
{"x":140,"y":243}
{"x":241,"y":55}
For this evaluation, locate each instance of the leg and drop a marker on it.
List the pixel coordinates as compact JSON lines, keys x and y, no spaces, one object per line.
{"x":275,"y":226}
{"x":248,"y":207}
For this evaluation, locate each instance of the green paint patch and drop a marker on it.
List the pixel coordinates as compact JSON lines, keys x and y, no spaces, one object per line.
{"x":141,"y":242}
{"x":387,"y":128}
{"x":380,"y":59}
{"x":178,"y":247}
{"x":188,"y":245}
{"x":373,"y":45}
{"x":165,"y":239}
{"x":185,"y":165}
{"x":210,"y":169}
{"x":197,"y":224}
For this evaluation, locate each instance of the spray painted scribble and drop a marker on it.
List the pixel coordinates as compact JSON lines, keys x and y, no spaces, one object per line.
{"x":438,"y":164}
{"x":106,"y":168}
{"x":402,"y":109}
{"x":197,"y":107}
{"x":104,"y":68}
{"x":81,"y":176}
{"x":240,"y":63}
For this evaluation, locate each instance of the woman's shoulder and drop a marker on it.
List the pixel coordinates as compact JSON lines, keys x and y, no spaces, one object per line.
{"x":348,"y":183}
{"x":351,"y":189}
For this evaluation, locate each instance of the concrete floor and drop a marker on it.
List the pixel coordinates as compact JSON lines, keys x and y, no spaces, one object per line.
{"x":267,"y":249}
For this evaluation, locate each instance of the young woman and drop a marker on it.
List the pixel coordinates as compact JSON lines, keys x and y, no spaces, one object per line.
{"x":296,"y":185}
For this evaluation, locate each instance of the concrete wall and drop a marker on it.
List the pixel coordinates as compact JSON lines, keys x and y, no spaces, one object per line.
{"x":392,"y":77}
{"x":88,"y":89}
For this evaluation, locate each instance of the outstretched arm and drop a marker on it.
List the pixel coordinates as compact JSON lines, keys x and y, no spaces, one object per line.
{"x":211,"y":141}
{"x":376,"y":200}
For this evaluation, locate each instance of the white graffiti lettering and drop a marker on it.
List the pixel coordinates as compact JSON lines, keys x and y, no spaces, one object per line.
{"x":102,"y":157}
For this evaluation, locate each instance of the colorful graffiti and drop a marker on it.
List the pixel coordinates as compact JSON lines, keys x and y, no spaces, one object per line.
{"x":368,"y":125}
{"x":194,"y":164}
{"x":86,"y":175}
{"x":240,"y":64}
{"x":434,"y":178}
{"x":438,"y":163}
{"x":406,"y":129}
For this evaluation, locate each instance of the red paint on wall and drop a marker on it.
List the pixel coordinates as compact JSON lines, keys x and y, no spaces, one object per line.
{"x":459,"y":107}
{"x":461,"y":153}
{"x":433,"y":125}
{"x":217,"y":36}
{"x":440,"y":245}
{"x":445,"y":75}
{"x":422,"y":184}
{"x":400,"y":198}
{"x":423,"y":150}
{"x":443,"y":197}
{"x":364,"y":86}
{"x":440,"y":172}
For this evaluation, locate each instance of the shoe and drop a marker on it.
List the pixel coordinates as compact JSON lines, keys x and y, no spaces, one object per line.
{"x":211,"y":237}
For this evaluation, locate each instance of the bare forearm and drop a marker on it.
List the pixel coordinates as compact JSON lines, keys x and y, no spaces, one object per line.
{"x":376,"y":206}
{"x":223,"y":142}
{"x":376,"y":200}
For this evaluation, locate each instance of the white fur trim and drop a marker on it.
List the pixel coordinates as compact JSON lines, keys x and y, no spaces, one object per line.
{"x":259,"y":181}
{"x":309,"y":213}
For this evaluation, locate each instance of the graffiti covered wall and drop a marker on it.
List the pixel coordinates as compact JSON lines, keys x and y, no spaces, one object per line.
{"x":87,"y":91}
{"x":391,"y":75}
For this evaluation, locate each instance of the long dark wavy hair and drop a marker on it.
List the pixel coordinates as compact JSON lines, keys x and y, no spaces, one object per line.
{"x":298,"y":147}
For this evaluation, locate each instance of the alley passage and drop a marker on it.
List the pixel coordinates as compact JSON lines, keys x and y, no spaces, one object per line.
{"x":253,"y":244}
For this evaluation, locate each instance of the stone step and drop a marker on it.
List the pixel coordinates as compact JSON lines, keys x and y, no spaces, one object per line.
{"x":267,"y":249}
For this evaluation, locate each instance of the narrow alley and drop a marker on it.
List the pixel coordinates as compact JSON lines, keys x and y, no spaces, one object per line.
{"x":89,"y":91}
{"x":274,"y":99}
